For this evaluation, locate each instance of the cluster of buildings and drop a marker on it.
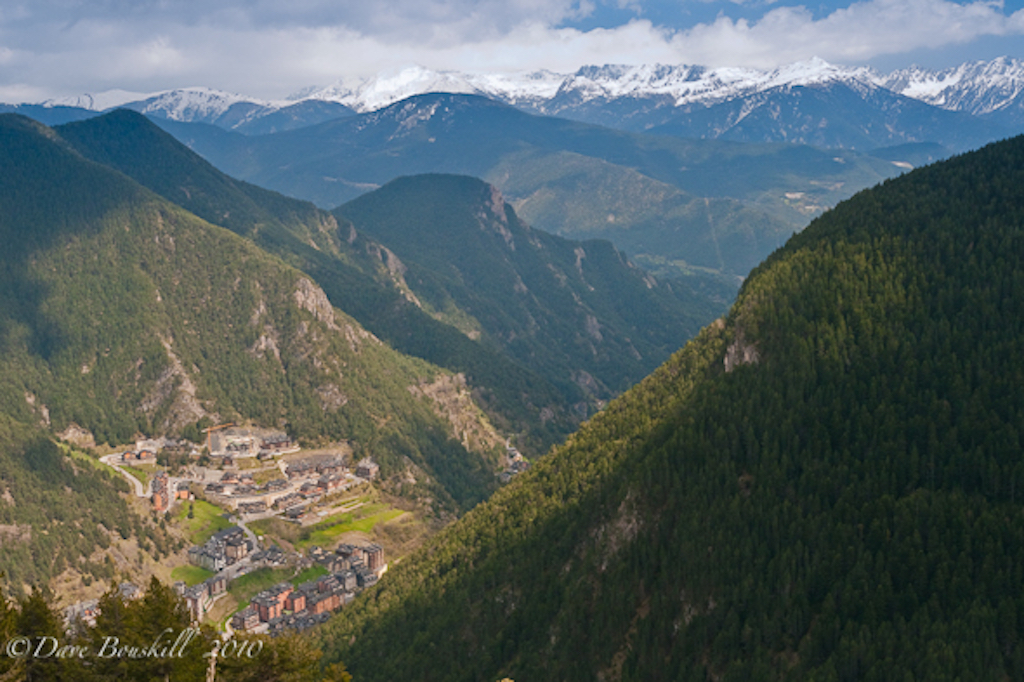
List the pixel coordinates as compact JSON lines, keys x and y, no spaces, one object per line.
{"x":305,"y":481}
{"x":351,"y":568}
{"x":138,"y":457}
{"x":225,"y":548}
{"x":145,"y":450}
{"x":294,"y":503}
{"x":199,"y":598}
{"x":256,"y":507}
{"x":164,"y":491}
{"x":516,"y":464}
{"x":238,"y":442}
{"x":234,"y":483}
{"x":310,"y":468}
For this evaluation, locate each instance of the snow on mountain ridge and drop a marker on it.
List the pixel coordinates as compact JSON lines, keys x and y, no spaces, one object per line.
{"x":190,"y":104}
{"x":975,"y":87}
{"x":684,"y":83}
{"x":687,"y":84}
{"x":389,"y":87}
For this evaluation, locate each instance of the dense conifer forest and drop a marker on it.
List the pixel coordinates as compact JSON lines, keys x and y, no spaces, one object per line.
{"x":821,"y":486}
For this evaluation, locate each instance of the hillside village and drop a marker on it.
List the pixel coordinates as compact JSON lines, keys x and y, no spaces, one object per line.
{"x":252,"y":475}
{"x":289,"y":486}
{"x":256,"y":475}
{"x":339,"y":576}
{"x":350,"y":568}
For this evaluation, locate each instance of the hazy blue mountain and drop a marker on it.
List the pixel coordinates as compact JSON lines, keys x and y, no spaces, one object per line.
{"x":694,"y":204}
{"x":291,"y":117}
{"x":577,"y":312}
{"x":48,"y":115}
{"x":832,"y":115}
{"x":235,"y":112}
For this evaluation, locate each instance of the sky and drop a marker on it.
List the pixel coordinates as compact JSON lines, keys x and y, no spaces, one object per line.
{"x":270,"y":48}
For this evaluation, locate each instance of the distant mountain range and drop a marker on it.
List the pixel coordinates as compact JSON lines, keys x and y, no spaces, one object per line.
{"x":708,"y":204}
{"x":960,"y":107}
{"x":658,"y":171}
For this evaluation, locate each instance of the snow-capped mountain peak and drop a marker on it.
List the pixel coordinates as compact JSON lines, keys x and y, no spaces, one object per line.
{"x":389,"y":87}
{"x":392,"y":86}
{"x":198,"y":103}
{"x":687,"y":84}
{"x":975,"y":87}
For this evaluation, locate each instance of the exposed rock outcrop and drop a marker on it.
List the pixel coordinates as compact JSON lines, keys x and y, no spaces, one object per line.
{"x":453,"y":402}
{"x":77,"y":436}
{"x":312,"y":298}
{"x":740,"y":352}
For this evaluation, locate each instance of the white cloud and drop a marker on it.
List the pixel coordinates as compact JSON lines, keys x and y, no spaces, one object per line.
{"x":853,"y":34}
{"x":269,"y":49}
{"x":23,"y":93}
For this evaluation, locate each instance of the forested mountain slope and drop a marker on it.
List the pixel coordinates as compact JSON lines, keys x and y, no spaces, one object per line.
{"x":354,"y":270}
{"x":822,"y":486}
{"x":578,"y":312}
{"x":125,"y":314}
{"x":567,"y":355}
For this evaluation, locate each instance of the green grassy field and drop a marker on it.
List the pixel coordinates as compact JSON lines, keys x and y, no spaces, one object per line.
{"x":263,"y":526}
{"x":192,"y":575}
{"x":364,"y":520}
{"x":247,"y":586}
{"x":208,"y":519}
{"x":140,"y":474}
{"x":80,"y":456}
{"x":310,"y":573}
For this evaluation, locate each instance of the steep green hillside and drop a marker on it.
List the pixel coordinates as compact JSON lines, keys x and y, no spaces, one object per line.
{"x":823,"y":486}
{"x":55,"y":511}
{"x":531,"y":384}
{"x":578,"y":312}
{"x":354,"y":271}
{"x":125,"y":314}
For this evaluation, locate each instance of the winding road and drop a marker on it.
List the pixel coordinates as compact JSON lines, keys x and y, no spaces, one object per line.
{"x":140,"y":490}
